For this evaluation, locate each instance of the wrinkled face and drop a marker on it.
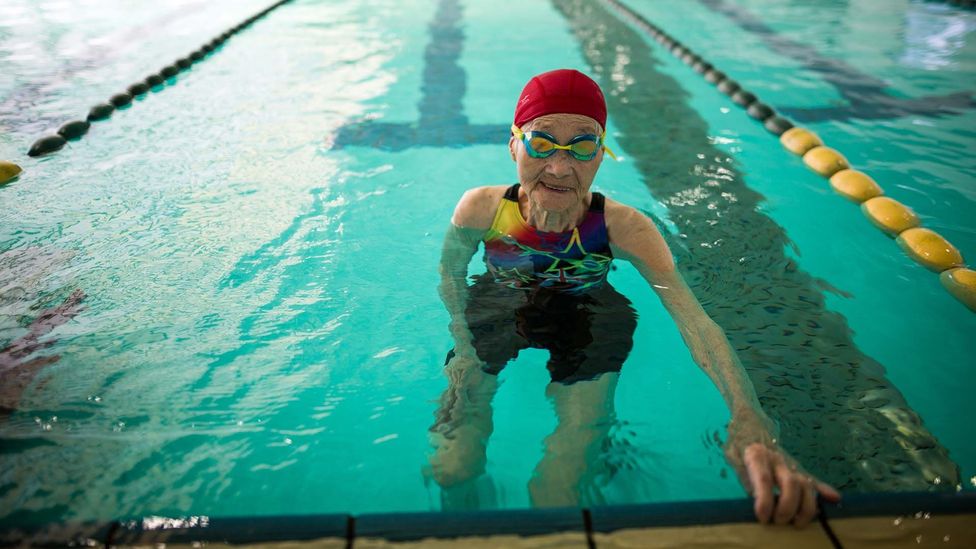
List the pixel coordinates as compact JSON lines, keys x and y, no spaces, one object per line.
{"x":560,"y":182}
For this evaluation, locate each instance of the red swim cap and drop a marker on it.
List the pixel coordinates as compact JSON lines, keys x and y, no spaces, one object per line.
{"x":561,"y":91}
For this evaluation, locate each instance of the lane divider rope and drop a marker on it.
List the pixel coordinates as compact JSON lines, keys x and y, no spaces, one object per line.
{"x":925,"y":246}
{"x":75,"y":129}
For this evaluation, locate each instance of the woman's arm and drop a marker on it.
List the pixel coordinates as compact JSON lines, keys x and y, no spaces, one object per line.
{"x":472,"y":217}
{"x":463,"y":421}
{"x":752,"y":438}
{"x":460,"y":245}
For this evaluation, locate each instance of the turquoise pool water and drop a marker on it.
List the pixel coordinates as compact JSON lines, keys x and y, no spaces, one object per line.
{"x":258,"y":246}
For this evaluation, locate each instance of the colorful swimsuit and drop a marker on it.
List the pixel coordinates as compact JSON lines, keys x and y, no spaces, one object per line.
{"x":561,"y":303}
{"x":523,"y":257}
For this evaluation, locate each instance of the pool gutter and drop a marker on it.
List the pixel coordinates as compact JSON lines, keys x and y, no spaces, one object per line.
{"x":890,"y":517}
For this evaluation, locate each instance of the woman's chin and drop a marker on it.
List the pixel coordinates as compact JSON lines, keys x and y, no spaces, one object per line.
{"x":553,"y":200}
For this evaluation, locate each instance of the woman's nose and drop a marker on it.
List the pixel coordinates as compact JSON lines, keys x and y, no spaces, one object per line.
{"x":559,"y":164}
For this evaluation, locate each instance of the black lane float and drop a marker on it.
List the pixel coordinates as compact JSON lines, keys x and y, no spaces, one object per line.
{"x":74,"y":129}
{"x":120,"y":99}
{"x":103,"y":111}
{"x":47,"y":144}
{"x":137,"y":89}
{"x":100,"y":111}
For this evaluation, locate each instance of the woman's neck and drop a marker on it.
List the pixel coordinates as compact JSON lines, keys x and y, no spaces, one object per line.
{"x":551,"y":221}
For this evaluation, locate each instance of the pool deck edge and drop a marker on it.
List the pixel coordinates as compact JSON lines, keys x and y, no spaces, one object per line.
{"x":870,"y":518}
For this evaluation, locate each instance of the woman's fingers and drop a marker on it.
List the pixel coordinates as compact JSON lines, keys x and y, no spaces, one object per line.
{"x":808,"y":503}
{"x":768,"y":469}
{"x":758,"y":467}
{"x":790,"y":493}
{"x":828,"y":492}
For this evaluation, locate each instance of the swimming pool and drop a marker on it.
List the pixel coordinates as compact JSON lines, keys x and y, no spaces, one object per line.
{"x":258,"y":245}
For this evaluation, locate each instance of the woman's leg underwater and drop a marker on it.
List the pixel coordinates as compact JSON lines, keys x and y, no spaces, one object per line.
{"x":585,"y":414}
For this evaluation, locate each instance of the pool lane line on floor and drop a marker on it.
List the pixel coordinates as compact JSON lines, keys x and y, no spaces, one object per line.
{"x":925,"y":246}
{"x":892,"y":508}
{"x":76,"y":129}
{"x":442,"y":120}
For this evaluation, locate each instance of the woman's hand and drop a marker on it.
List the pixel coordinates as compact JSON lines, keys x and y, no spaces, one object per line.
{"x":458,"y":456}
{"x":464,"y":420}
{"x":763,"y":467}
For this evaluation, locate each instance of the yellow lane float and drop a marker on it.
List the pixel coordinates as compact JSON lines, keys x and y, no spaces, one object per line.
{"x":930,"y":249}
{"x":825,"y":161}
{"x":799,"y":140}
{"x":855,"y":185}
{"x":8,"y":171}
{"x":889,"y":215}
{"x":961,"y":283}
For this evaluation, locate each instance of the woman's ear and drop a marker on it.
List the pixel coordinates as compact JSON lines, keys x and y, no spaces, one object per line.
{"x":511,"y":146}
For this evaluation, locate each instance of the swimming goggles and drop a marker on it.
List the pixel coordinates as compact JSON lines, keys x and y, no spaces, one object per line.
{"x":542,"y":145}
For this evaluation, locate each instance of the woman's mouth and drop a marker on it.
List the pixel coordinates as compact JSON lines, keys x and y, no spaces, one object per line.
{"x":556,"y":189}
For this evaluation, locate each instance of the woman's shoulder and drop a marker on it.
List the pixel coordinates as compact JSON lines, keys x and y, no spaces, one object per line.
{"x":620,"y":215}
{"x":633,"y":236}
{"x":476,"y":208}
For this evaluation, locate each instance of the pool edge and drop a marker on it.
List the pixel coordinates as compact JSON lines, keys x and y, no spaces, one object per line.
{"x":900,"y":510}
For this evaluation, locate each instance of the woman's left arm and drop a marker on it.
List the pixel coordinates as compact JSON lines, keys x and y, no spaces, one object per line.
{"x":752,"y":447}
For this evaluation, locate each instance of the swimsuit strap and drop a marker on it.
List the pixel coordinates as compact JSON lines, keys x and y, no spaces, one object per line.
{"x":597,"y":202}
{"x":512,"y":193}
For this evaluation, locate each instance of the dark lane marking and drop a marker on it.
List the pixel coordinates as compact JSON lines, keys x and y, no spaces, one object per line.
{"x":865,"y":94}
{"x":442,"y":121}
{"x":838,"y":414}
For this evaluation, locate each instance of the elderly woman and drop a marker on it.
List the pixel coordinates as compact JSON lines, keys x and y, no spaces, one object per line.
{"x":549,"y":242}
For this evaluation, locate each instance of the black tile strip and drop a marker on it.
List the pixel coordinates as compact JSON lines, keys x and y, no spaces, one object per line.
{"x":825,"y":524}
{"x":110,"y":535}
{"x":350,"y":531}
{"x":588,"y":523}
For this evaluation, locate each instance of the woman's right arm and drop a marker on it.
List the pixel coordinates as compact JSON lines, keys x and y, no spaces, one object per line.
{"x":460,"y":245}
{"x":472,"y":217}
{"x":463,"y":419}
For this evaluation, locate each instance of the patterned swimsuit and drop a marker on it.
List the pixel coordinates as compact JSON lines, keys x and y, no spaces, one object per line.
{"x":523,"y":257}
{"x":549,"y":291}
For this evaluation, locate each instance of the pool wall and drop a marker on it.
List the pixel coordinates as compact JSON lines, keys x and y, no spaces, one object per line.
{"x":862,"y":520}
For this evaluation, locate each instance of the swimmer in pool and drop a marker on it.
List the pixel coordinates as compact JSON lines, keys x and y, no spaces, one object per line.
{"x":548,"y":244}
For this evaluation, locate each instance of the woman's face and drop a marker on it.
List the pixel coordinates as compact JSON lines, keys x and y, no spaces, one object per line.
{"x":560,"y":182}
